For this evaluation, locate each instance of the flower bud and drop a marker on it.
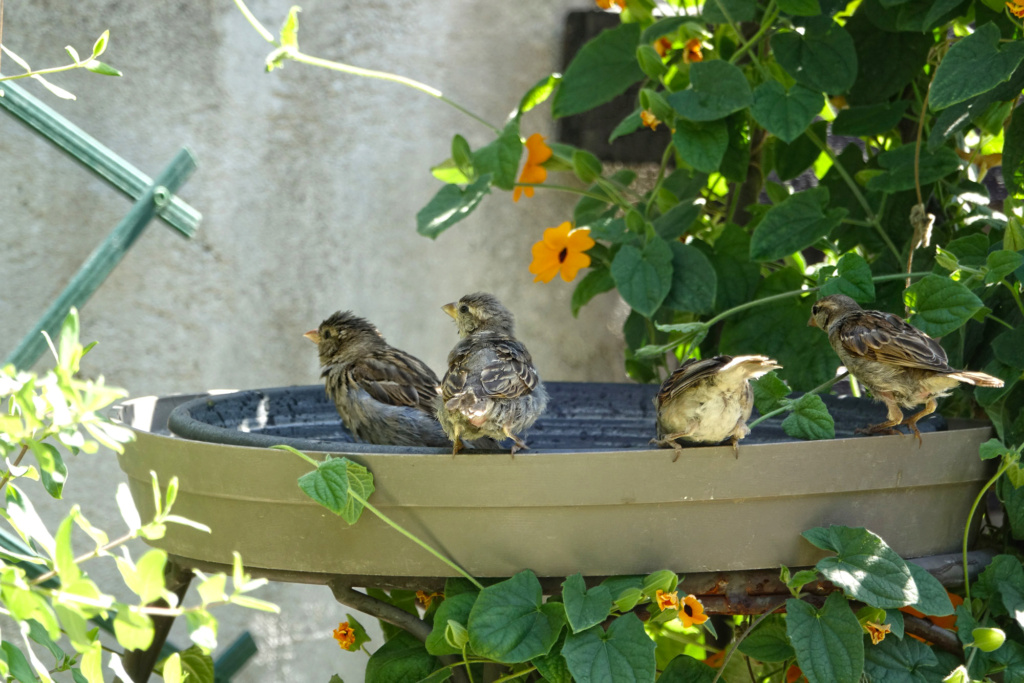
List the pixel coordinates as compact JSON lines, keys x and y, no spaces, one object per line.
{"x":988,"y":639}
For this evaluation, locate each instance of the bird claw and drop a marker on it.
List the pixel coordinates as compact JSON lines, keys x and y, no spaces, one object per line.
{"x":457,"y":446}
{"x":664,"y":443}
{"x":883,"y":428}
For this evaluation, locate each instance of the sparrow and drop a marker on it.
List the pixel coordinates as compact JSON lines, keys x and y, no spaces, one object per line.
{"x":383,"y":394}
{"x":491,"y":388}
{"x":709,"y":400}
{"x":898,"y":363}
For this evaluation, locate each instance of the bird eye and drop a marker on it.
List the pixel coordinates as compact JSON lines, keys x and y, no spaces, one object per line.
{"x":814,"y":309}
{"x":463,"y":308}
{"x":326,"y":334}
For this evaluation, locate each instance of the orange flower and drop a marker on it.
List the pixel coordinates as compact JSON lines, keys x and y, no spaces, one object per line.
{"x":536,"y":154}
{"x":345,"y":636}
{"x":948,"y":622}
{"x":1016,"y":8}
{"x":715,"y":661}
{"x":691,"y":612}
{"x":692,"y":53}
{"x":794,"y":674}
{"x":649,"y":119}
{"x":667,"y":600}
{"x":426,"y":599}
{"x":877,"y":631}
{"x":662,"y":46}
{"x":607,"y":4}
{"x":560,"y":251}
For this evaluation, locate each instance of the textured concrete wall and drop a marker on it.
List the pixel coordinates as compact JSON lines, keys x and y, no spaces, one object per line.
{"x":309,"y":182}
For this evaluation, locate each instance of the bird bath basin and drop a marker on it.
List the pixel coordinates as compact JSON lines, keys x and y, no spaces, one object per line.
{"x":590,"y":495}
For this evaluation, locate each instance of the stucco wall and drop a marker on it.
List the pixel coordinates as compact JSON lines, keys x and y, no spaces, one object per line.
{"x":308,"y":182}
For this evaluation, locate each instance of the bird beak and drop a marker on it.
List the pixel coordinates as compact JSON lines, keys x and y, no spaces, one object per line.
{"x":313,"y":336}
{"x":450,"y":309}
{"x":812,"y":322}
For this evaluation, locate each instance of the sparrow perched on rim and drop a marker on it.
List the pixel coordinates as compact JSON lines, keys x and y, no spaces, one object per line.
{"x":491,"y":387}
{"x":383,"y":394}
{"x":709,"y":400}
{"x":901,"y":365}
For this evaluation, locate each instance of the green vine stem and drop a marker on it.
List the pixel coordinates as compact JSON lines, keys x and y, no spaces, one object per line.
{"x":816,"y":390}
{"x":1009,"y":462}
{"x":355,"y":70}
{"x":736,"y":645}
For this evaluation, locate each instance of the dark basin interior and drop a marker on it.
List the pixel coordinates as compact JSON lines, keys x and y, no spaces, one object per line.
{"x":581,"y":416}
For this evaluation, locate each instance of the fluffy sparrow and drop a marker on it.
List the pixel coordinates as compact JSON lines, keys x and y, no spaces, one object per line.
{"x":384,"y":395}
{"x":901,"y":365}
{"x":491,"y":388}
{"x":709,"y":400}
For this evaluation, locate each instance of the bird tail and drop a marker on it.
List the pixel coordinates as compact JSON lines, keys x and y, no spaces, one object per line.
{"x":977,"y":378}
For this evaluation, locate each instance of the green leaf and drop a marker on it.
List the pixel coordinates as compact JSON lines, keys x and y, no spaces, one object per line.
{"x":730,"y":257}
{"x":886,"y":61}
{"x":501,"y":157}
{"x":864,"y":566}
{"x":971,"y":250}
{"x":769,"y":642}
{"x":821,"y":60}
{"x":874,"y":119}
{"x":18,"y":664}
{"x":662,"y":580}
{"x":829,"y":643}
{"x":553,"y":666}
{"x":729,"y":11}
{"x":717,"y":89}
{"x":853,"y":279}
{"x":622,"y":653}
{"x":974,"y":65}
{"x":540,"y":92}
{"x":510,"y":624}
{"x":686,"y":669}
{"x":585,"y":608}
{"x":52,"y":470}
{"x":133,"y":630}
{"x":452,"y":608}
{"x":197,"y":664}
{"x":899,"y":168}
{"x":796,"y":223}
{"x":630,"y":124}
{"x":791,"y":160}
{"x":1009,"y":347}
{"x":330,"y":485}
{"x":68,"y":348}
{"x":603,"y":68}
{"x":644,"y":277}
{"x":586,"y":166}
{"x":677,"y":221}
{"x":810,"y":419}
{"x":1013,"y":160}
{"x":100,"y":45}
{"x":993,"y":448}
{"x":800,"y":8}
{"x":290,"y":29}
{"x":399,"y":660}
{"x":450,"y":205}
{"x":693,"y":280}
{"x":1001,"y":264}
{"x":768,"y":390}
{"x":701,"y":145}
{"x":593,"y":283}
{"x":449,"y":172}
{"x":896,"y":661}
{"x":940,"y":305}
{"x":932,"y":596}
{"x":783,"y":113}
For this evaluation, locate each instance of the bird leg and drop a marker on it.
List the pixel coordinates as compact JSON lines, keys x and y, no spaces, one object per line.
{"x":911,"y":421}
{"x":735,"y":441}
{"x":457,"y":444}
{"x":895,"y":417}
{"x":670,"y":440}
{"x":518,"y":444}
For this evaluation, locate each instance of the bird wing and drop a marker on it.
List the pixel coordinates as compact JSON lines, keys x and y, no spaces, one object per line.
{"x":510,"y":373}
{"x":688,"y":374}
{"x":397,"y":379}
{"x":887,"y":338}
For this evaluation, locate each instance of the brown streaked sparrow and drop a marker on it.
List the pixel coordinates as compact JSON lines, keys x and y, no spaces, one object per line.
{"x":383,"y":394}
{"x":708,"y":401}
{"x":898,"y":363}
{"x":491,"y":388}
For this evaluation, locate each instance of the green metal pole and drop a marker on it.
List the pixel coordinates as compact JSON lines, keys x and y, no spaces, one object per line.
{"x":93,"y":154}
{"x":104,"y":258}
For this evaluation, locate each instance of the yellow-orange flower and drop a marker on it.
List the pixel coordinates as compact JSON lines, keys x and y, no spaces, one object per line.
{"x":662,"y":46}
{"x":427,"y":598}
{"x":716,"y":660}
{"x":345,"y":636}
{"x":794,"y":674}
{"x":691,"y":612}
{"x":536,"y":154}
{"x":877,"y":631}
{"x":607,"y":4}
{"x":649,"y":119}
{"x":692,"y":53}
{"x":667,"y":600}
{"x":1016,"y":8}
{"x":561,"y":251}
